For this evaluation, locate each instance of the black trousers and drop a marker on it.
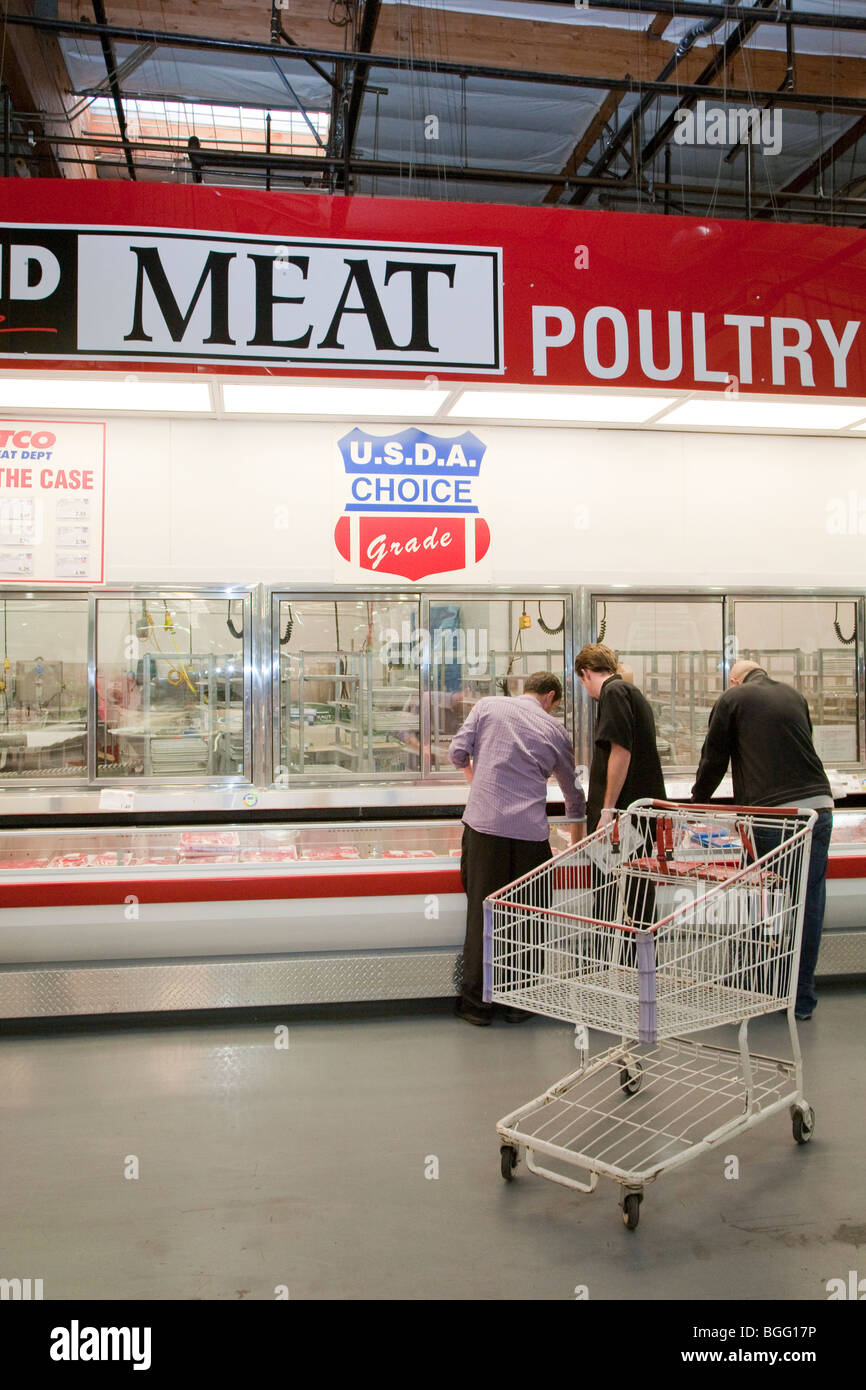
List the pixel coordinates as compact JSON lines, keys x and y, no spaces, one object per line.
{"x":488,"y":862}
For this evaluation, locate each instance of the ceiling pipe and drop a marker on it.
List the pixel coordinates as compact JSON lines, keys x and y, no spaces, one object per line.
{"x":629,"y":130}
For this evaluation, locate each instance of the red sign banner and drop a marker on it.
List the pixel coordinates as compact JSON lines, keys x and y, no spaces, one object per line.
{"x":164,"y":276}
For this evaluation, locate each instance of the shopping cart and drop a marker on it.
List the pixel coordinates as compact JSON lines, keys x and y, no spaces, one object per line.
{"x":670,"y":920}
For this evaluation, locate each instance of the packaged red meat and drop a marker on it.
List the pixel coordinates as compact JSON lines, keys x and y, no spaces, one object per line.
{"x":331,"y":852}
{"x":455,"y":853}
{"x":408,"y":854}
{"x":145,"y":859}
{"x":210,"y":859}
{"x":270,"y":856}
{"x":12,"y":865}
{"x":207,"y":841}
{"x":103,"y":859}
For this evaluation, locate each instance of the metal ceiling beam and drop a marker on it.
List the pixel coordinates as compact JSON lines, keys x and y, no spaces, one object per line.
{"x":304,"y":166}
{"x":717,"y":65}
{"x":631,"y":129}
{"x":369,"y":20}
{"x":111,"y":71}
{"x":823,"y":101}
{"x":730,"y":13}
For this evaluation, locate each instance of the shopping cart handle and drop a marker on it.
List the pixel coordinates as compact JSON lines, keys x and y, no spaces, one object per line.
{"x":648,"y":802}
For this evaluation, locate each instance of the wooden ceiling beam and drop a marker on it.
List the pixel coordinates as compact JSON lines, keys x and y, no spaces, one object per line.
{"x":38,"y":82}
{"x":458,"y":37}
{"x":602,"y":117}
{"x":658,"y":26}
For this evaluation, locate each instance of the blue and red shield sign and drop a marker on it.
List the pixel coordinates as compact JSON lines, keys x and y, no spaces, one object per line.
{"x":411,"y":509}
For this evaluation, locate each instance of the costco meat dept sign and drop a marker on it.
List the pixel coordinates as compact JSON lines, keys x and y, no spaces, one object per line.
{"x":52,"y":500}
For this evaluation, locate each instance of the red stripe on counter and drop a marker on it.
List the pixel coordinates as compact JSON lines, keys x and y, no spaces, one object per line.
{"x":198,"y":890}
{"x":851,"y":866}
{"x":261,"y":888}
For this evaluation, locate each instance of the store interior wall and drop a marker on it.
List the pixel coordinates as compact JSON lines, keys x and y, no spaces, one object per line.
{"x":253,"y":501}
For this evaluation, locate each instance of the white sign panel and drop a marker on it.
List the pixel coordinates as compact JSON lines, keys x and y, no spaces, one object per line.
{"x":332,"y":304}
{"x":52,"y":501}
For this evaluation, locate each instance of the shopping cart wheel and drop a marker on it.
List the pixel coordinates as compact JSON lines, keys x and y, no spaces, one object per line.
{"x":803,"y":1124}
{"x":630,"y":1079}
{"x":508,"y":1160}
{"x":631,"y":1209}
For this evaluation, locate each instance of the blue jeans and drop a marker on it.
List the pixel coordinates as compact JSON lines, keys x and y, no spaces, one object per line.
{"x":813,"y":909}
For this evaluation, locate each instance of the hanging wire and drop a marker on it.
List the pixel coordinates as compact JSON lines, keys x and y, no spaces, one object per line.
{"x":846,"y":641}
{"x":602,"y":627}
{"x":237,"y":633}
{"x":551,"y":631}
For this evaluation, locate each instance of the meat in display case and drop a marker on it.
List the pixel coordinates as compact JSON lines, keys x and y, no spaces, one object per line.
{"x":134,"y":919}
{"x":128,"y":920}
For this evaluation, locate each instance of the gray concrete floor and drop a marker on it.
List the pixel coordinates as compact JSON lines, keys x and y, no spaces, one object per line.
{"x":305,"y":1167}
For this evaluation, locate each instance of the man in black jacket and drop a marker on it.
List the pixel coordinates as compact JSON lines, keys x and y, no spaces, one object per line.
{"x":764,"y":728}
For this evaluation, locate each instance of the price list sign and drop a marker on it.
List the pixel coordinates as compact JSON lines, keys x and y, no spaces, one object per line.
{"x":52,"y":502}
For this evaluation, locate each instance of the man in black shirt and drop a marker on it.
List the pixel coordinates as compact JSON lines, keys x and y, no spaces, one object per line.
{"x":625,"y":763}
{"x":764,"y":728}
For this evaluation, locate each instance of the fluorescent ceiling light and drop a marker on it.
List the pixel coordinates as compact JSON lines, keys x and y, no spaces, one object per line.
{"x":732,"y":412}
{"x":49,"y":393}
{"x":551,"y":405}
{"x":389,"y":402}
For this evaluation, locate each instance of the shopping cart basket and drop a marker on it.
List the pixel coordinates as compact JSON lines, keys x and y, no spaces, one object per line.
{"x":670,"y":920}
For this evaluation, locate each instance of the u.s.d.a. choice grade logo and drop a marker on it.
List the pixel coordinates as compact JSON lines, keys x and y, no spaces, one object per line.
{"x":411,"y":509}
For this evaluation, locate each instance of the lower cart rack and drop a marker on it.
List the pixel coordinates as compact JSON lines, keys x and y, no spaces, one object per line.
{"x":666,"y":921}
{"x":637,"y":1111}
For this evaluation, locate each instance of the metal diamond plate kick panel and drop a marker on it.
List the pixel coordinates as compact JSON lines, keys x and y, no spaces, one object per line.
{"x":842,"y":953}
{"x":109,"y":989}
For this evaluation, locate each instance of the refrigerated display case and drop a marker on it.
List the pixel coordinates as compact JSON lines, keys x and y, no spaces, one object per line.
{"x":305,"y":735}
{"x":133,"y":919}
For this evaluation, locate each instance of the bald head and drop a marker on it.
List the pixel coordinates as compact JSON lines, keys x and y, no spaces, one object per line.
{"x":741,"y":669}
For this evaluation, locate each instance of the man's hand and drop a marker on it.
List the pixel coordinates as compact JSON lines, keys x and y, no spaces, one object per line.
{"x":607,"y":817}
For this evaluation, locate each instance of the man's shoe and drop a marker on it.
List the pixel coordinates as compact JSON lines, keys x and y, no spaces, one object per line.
{"x":802,"y":1018}
{"x":509,"y":1015}
{"x":482,"y":1018}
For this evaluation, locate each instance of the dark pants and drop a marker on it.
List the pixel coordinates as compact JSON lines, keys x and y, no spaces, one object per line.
{"x":638,"y":894}
{"x":488,"y":862}
{"x":813,"y":910}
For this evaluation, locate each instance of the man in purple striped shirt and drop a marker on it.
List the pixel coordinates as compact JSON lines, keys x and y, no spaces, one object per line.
{"x":508,"y":748}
